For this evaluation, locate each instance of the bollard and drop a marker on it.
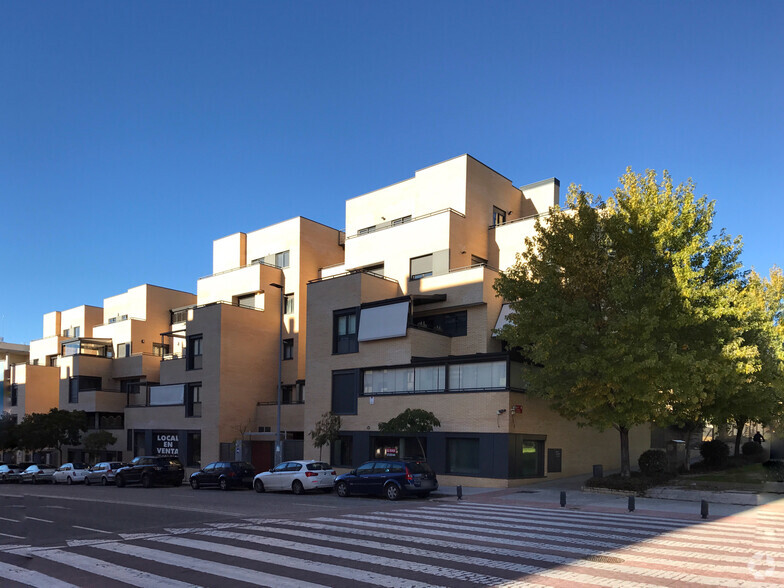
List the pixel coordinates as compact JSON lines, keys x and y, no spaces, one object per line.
{"x":563,"y":497}
{"x":631,"y":503}
{"x":460,"y":493}
{"x":704,"y":509}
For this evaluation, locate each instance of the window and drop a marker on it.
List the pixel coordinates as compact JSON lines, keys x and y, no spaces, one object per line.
{"x":288,"y":304}
{"x":345,"y":332}
{"x":282,"y":259}
{"x":113,"y":320}
{"x":193,"y":353}
{"x":179,"y":316}
{"x":452,"y":324}
{"x":82,"y":384}
{"x":462,"y":456}
{"x":401,"y":220}
{"x":160,"y":349}
{"x":421,"y":267}
{"x":35,"y":361}
{"x":366,"y":230}
{"x":66,"y":332}
{"x":77,"y":331}
{"x":123,"y":350}
{"x":499,"y":216}
{"x":14,"y":394}
{"x":193,"y":457}
{"x":288,"y":348}
{"x":248,"y":301}
{"x":528,"y":458}
{"x":193,"y":400}
{"x":478,"y":376}
{"x":53,"y":360}
{"x":404,"y":380}
{"x":344,"y":391}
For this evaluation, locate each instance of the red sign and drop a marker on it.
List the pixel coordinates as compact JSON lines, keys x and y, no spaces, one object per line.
{"x":390,"y":451}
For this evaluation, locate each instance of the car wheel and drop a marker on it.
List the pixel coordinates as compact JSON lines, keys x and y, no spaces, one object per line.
{"x":297,"y":488}
{"x":104,"y":481}
{"x":342,"y":489}
{"x":120,"y":481}
{"x":146,"y":481}
{"x":258,"y":486}
{"x":68,"y":481}
{"x":392,"y":491}
{"x":87,"y":481}
{"x":195,"y":483}
{"x":223,"y":484}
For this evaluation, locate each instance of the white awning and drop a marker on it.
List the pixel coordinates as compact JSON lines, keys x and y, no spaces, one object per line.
{"x":383,"y":322}
{"x":167,"y":395}
{"x":503,"y":319}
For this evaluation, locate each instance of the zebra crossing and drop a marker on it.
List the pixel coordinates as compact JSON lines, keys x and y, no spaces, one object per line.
{"x":438,"y":544}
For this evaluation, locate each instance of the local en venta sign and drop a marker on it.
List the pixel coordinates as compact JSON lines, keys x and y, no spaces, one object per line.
{"x":166,"y":444}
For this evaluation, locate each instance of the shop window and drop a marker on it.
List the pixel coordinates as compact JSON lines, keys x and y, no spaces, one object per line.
{"x":342,"y":454}
{"x":462,"y":456}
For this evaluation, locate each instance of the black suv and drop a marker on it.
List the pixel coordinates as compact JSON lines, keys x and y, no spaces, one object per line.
{"x":224,"y":475}
{"x":392,"y":478}
{"x":151,"y":470}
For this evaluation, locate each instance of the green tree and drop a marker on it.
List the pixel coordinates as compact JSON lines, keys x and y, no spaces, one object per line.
{"x":52,"y":430}
{"x":97,"y":441}
{"x":326,"y":431}
{"x":9,"y":432}
{"x":615,"y":305}
{"x":411,"y":420}
{"x":755,"y":389}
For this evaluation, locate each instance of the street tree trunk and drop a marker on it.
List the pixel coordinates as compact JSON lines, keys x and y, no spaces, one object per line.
{"x":740,"y":422}
{"x":626,"y":470}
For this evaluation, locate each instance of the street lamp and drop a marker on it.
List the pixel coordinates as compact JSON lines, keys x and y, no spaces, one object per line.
{"x":278,"y":442}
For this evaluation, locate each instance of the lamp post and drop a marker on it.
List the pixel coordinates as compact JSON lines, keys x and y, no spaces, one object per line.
{"x":278,"y":442}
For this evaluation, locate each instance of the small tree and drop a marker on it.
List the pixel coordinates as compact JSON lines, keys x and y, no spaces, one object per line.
{"x":97,"y":442}
{"x":326,"y":431}
{"x":52,"y":429}
{"x":411,"y":420}
{"x":9,"y":432}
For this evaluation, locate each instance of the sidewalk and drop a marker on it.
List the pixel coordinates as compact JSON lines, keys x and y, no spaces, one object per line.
{"x":673,"y":502}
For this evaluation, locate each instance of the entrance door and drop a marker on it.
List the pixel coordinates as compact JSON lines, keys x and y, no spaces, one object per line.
{"x":262,"y":455}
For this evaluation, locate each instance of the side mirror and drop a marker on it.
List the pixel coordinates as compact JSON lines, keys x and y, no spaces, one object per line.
{"x":353,"y":472}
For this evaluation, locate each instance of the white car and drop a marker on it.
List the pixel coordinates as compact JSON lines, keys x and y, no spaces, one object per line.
{"x":297,"y":476}
{"x":70,"y":473}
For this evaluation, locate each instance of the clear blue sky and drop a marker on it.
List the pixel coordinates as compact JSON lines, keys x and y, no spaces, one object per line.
{"x":133,"y":134}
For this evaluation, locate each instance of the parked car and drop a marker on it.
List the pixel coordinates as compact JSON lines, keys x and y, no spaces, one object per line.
{"x":103,"y":473}
{"x":297,"y":476}
{"x":150,"y":470}
{"x":9,"y":472}
{"x":37,"y":473}
{"x":224,"y":475}
{"x":391,"y":478}
{"x":70,"y":473}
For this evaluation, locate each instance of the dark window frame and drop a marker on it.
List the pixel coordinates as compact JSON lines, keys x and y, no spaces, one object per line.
{"x":347,"y":342}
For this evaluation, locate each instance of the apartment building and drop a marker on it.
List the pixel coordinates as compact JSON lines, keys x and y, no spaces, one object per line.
{"x":407,"y":320}
{"x":217,"y":397}
{"x":95,"y":358}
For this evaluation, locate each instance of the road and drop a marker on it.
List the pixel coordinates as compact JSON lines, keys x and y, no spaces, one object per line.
{"x":106,"y":536}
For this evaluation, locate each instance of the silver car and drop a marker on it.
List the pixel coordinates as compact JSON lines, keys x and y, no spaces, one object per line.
{"x":10,"y":472}
{"x":297,"y":476}
{"x":38,"y":473}
{"x":70,"y":473}
{"x":103,"y":473}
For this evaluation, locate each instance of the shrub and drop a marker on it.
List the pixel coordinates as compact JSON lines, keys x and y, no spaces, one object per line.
{"x":653,"y":461}
{"x":751,"y":448}
{"x":638,"y":482}
{"x":715,"y":453}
